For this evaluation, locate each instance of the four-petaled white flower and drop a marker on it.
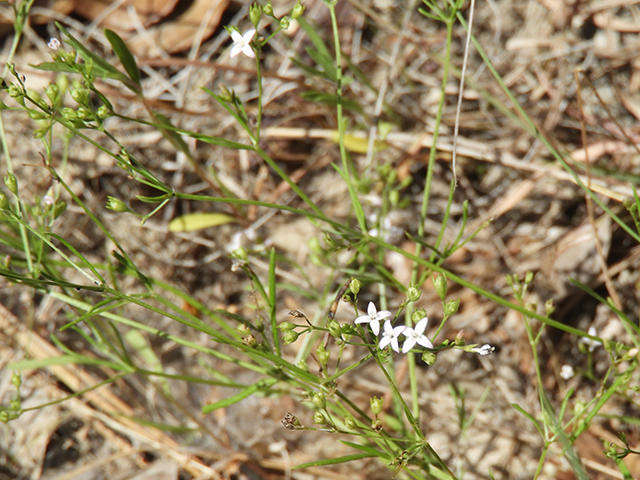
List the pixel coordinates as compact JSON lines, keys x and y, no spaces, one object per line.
{"x":54,"y":44}
{"x":416,"y":335}
{"x":242,"y":43}
{"x":390,"y":336}
{"x":485,"y":349}
{"x":567,"y":372}
{"x":591,"y":343}
{"x":373,"y":318}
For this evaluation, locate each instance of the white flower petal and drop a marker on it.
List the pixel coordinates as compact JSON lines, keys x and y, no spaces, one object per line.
{"x":421,"y":326}
{"x":372,"y":310}
{"x":235,"y":50}
{"x":248,"y":51}
{"x":425,"y":342}
{"x":375,"y":326}
{"x":247,"y":37}
{"x":236,"y":37}
{"x":386,"y":340}
{"x":409,"y":343}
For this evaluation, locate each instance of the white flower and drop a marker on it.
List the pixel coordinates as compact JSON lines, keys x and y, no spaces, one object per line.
{"x":591,"y":343}
{"x":242,"y":43}
{"x":416,"y":335}
{"x":390,"y":336}
{"x":485,"y":349}
{"x":566,"y":372}
{"x":54,"y":44}
{"x":373,"y":318}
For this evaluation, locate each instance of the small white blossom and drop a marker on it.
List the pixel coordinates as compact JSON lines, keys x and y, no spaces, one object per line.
{"x":485,"y":349}
{"x":591,"y":343}
{"x":567,"y":372}
{"x":390,"y":336}
{"x":373,"y":318}
{"x":416,"y":335}
{"x":54,"y":44}
{"x":242,"y":43}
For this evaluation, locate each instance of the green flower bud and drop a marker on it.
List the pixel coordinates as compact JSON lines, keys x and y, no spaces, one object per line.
{"x":413,"y":294}
{"x":80,"y":95}
{"x":440,"y":284}
{"x":549,"y":308}
{"x":39,"y":133}
{"x":250,"y":341}
{"x":225,"y":95}
{"x":4,"y":416}
{"x":354,"y":286}
{"x":268,"y":9}
{"x":243,"y":329}
{"x":319,"y":400}
{"x":284,"y":23}
{"x":350,"y":423}
{"x":302,"y":365}
{"x":103,"y":112}
{"x":334,"y":329}
{"x":255,"y":13}
{"x":4,"y":202}
{"x":16,"y":380}
{"x":508,"y":279}
{"x":323,"y":357}
{"x":69,"y":113}
{"x":418,"y":315}
{"x":297,"y":11}
{"x":394,"y":198}
{"x":429,"y":358}
{"x":377,"y":405}
{"x":348,"y":329}
{"x":290,"y":337}
{"x":83,"y":113}
{"x":117,"y":205}
{"x":376,"y":425}
{"x":11,"y":182}
{"x":53,"y":93}
{"x":287,"y":326}
{"x":451,"y":307}
{"x":319,"y":418}
{"x":241,"y":254}
{"x":59,"y":208}
{"x":36,"y":115}
{"x":528,"y":278}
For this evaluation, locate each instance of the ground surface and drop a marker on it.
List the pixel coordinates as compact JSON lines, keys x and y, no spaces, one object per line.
{"x":540,"y":223}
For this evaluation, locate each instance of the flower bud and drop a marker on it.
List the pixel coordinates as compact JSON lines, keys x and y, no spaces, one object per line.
{"x":418,"y":315}
{"x":117,"y":205}
{"x":440,"y":284}
{"x":394,"y":198}
{"x":11,"y":182}
{"x":241,"y":254}
{"x":334,"y":329}
{"x":319,"y":418}
{"x":225,"y":95}
{"x":319,"y":400}
{"x":348,"y":329}
{"x":297,"y":11}
{"x":4,"y":202}
{"x":429,"y":358}
{"x":290,"y":337}
{"x":36,"y":115}
{"x":255,"y":13}
{"x":53,"y":93}
{"x":103,"y":112}
{"x":83,"y":113}
{"x":377,"y":405}
{"x":451,"y":307}
{"x":287,"y":326}
{"x":268,"y":9}
{"x":39,"y":133}
{"x":69,"y":113}
{"x":284,"y":23}
{"x":4,"y":416}
{"x":16,"y":380}
{"x":302,"y":365}
{"x":250,"y":341}
{"x":323,"y":357}
{"x":413,"y":294}
{"x":528,"y":278}
{"x":79,"y":95}
{"x":376,"y":425}
{"x":549,"y":308}
{"x":354,"y":286}
{"x":54,"y":44}
{"x":350,"y":423}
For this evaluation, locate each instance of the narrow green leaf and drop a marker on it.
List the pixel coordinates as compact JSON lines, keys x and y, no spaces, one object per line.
{"x":332,"y":461}
{"x":256,"y":387}
{"x":365,"y":448}
{"x":272,"y":300}
{"x":198,"y":221}
{"x":86,"y":263}
{"x":125,"y":56}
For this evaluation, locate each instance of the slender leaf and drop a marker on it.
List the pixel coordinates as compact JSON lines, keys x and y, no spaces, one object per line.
{"x":125,"y":56}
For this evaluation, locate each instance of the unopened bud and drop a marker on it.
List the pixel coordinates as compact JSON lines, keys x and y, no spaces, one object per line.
{"x":268,"y":9}
{"x":297,"y":11}
{"x":451,"y":307}
{"x":287,"y":326}
{"x":284,"y":23}
{"x":413,"y":294}
{"x":350,"y":423}
{"x":319,"y":418}
{"x":440,"y":284}
{"x":319,"y":400}
{"x":16,"y":380}
{"x":429,"y":358}
{"x":334,"y":329}
{"x":354,"y":286}
{"x":255,"y":13}
{"x":117,"y":205}
{"x":377,"y":405}
{"x":290,"y":337}
{"x":250,"y":341}
{"x":11,"y":182}
{"x":4,"y":202}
